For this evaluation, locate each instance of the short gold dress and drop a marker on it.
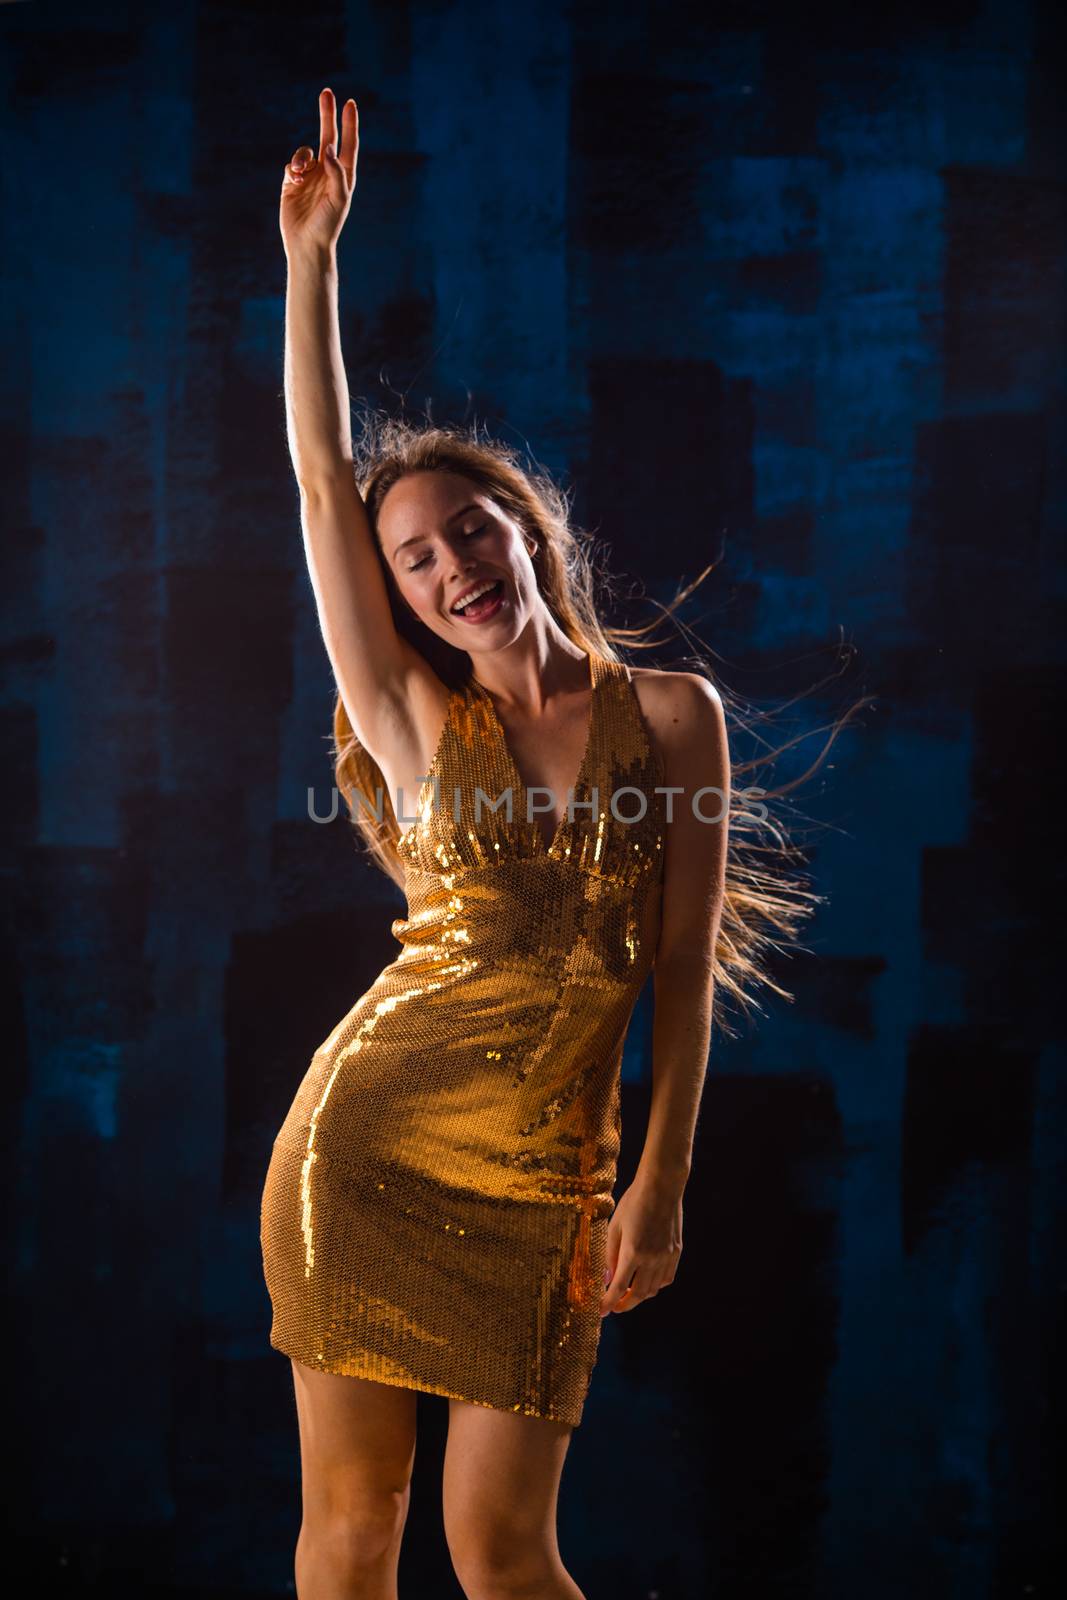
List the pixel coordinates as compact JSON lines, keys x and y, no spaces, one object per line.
{"x":436,"y":1205}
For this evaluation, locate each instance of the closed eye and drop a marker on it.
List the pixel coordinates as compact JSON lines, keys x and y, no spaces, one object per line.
{"x":468,"y":533}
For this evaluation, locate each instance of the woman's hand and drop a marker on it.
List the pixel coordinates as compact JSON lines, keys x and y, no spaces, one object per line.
{"x":644,"y":1244}
{"x":317,"y":191}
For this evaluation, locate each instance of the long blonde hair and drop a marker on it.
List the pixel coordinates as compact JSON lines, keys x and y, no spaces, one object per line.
{"x":766,"y":898}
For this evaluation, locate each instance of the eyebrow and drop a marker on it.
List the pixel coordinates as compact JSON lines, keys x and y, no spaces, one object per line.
{"x":417,"y":538}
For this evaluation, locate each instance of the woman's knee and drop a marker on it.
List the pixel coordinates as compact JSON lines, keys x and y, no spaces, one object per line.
{"x":494,"y":1556}
{"x":356,"y":1532}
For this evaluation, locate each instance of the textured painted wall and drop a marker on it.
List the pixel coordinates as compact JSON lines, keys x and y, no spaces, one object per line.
{"x":782,"y":283}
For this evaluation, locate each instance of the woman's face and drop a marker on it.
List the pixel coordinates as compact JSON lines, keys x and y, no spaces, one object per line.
{"x":442,"y":535}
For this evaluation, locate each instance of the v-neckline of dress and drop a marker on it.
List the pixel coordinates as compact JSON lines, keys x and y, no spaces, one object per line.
{"x":576,"y":784}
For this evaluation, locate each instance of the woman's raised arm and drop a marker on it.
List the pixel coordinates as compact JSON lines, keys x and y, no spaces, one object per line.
{"x":372,"y":663}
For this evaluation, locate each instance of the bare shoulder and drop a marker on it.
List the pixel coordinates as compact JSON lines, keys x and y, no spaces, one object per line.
{"x":685,"y":717}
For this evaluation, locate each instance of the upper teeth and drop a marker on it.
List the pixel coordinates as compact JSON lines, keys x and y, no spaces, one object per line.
{"x":461,"y":605}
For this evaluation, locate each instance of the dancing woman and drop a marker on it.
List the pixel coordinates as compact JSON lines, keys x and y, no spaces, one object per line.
{"x":438,"y":1214}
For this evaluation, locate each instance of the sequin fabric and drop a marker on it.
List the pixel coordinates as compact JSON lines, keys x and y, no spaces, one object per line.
{"x":436,"y":1206}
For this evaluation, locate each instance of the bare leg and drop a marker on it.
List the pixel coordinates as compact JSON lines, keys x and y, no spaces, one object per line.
{"x":357,"y":1450}
{"x":500,"y":1489}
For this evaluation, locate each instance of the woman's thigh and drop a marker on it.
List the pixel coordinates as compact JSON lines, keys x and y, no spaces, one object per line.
{"x":501,"y":1483}
{"x":357,"y":1442}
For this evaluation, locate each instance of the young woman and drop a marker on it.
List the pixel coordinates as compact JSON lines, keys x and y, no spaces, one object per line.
{"x":438,"y":1212}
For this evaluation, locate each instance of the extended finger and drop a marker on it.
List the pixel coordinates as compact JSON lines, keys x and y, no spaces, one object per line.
{"x":349,"y":150}
{"x":327,"y":122}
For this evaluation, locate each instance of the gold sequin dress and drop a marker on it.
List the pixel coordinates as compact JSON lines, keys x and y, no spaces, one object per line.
{"x":436,"y":1205}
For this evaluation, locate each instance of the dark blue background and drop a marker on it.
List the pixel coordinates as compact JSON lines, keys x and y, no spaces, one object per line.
{"x":780,"y":282}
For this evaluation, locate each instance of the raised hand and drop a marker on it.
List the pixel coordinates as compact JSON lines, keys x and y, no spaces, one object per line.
{"x":317,"y":190}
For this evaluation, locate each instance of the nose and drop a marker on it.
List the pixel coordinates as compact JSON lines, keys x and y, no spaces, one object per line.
{"x":461,"y":576}
{"x":463,"y":561}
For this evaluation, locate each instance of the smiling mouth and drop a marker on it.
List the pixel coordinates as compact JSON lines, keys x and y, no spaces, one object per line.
{"x":485,"y":601}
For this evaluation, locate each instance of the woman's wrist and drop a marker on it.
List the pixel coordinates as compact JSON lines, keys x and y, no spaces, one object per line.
{"x":312,"y":261}
{"x":667,"y":1175}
